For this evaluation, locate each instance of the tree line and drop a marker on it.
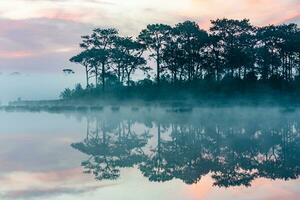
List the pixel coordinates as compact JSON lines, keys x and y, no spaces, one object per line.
{"x":185,"y":54}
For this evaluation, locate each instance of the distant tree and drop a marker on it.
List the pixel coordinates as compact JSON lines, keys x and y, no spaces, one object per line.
{"x":128,"y":57}
{"x":173,"y":58}
{"x":100,"y":43}
{"x":213,"y":60}
{"x":191,"y":39}
{"x":232,"y":51}
{"x":268,"y":62}
{"x":68,"y":71}
{"x":268,"y":55}
{"x":236,"y":37}
{"x":66,"y":94}
{"x":84,"y":59}
{"x":287,"y":34}
{"x":155,"y":37}
{"x":279,"y":48}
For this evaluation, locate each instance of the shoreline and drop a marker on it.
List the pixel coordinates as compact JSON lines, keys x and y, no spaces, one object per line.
{"x":175,"y":106}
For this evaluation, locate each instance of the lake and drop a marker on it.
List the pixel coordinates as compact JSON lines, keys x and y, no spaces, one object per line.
{"x":151,"y":153}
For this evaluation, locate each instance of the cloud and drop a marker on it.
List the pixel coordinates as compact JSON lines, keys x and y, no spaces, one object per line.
{"x":33,"y":35}
{"x":14,"y":54}
{"x":43,"y":34}
{"x":39,"y":43}
{"x":260,"y":12}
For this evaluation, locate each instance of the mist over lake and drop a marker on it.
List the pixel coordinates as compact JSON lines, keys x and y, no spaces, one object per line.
{"x":34,"y":86}
{"x":139,"y":153}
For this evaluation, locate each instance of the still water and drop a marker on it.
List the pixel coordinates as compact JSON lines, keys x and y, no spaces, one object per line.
{"x":149,"y":153}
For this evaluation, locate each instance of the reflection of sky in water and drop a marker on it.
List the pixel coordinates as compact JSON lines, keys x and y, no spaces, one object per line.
{"x":37,"y":162}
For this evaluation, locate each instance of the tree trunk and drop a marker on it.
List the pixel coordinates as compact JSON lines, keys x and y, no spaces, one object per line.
{"x":128,"y":79}
{"x":299,"y":64}
{"x":158,"y":138}
{"x":87,"y":76}
{"x":189,"y":73}
{"x":103,"y":76}
{"x":175,"y":76}
{"x":158,"y":67}
{"x":217,"y":73}
{"x":96,"y":76}
{"x":119,"y":74}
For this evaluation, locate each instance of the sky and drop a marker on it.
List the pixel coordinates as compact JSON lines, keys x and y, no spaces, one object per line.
{"x":39,"y":36}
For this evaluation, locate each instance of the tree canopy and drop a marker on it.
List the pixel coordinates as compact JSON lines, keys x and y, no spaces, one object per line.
{"x":231,"y":50}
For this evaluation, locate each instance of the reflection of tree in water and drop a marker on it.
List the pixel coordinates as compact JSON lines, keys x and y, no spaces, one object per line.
{"x":111,"y":147}
{"x":235,"y":151}
{"x":182,"y":156}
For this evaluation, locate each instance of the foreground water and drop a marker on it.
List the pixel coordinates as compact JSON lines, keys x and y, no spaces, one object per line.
{"x":148,"y":153}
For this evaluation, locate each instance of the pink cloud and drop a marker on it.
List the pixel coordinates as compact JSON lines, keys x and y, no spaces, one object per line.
{"x":15,"y":54}
{"x":51,"y":28}
{"x":42,"y":44}
{"x":63,"y":15}
{"x":260,"y":12}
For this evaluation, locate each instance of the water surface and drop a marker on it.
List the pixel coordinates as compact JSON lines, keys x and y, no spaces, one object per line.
{"x":149,"y":153}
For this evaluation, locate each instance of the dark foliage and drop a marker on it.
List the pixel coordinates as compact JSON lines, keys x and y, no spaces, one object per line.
{"x":233,"y":57}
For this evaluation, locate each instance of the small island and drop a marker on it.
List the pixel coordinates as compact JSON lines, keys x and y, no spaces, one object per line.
{"x":232,"y":63}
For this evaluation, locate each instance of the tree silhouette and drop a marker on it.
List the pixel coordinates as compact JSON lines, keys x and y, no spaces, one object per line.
{"x":83,"y":59}
{"x":128,"y":57}
{"x":233,"y":57}
{"x":191,"y":39}
{"x":155,"y":37}
{"x":235,"y":37}
{"x":99,"y":44}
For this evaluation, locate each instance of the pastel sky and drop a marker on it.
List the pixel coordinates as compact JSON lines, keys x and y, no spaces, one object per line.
{"x":39,"y":36}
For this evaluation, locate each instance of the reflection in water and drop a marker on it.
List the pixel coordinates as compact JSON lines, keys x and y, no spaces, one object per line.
{"x":111,"y":148}
{"x":233,"y":147}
